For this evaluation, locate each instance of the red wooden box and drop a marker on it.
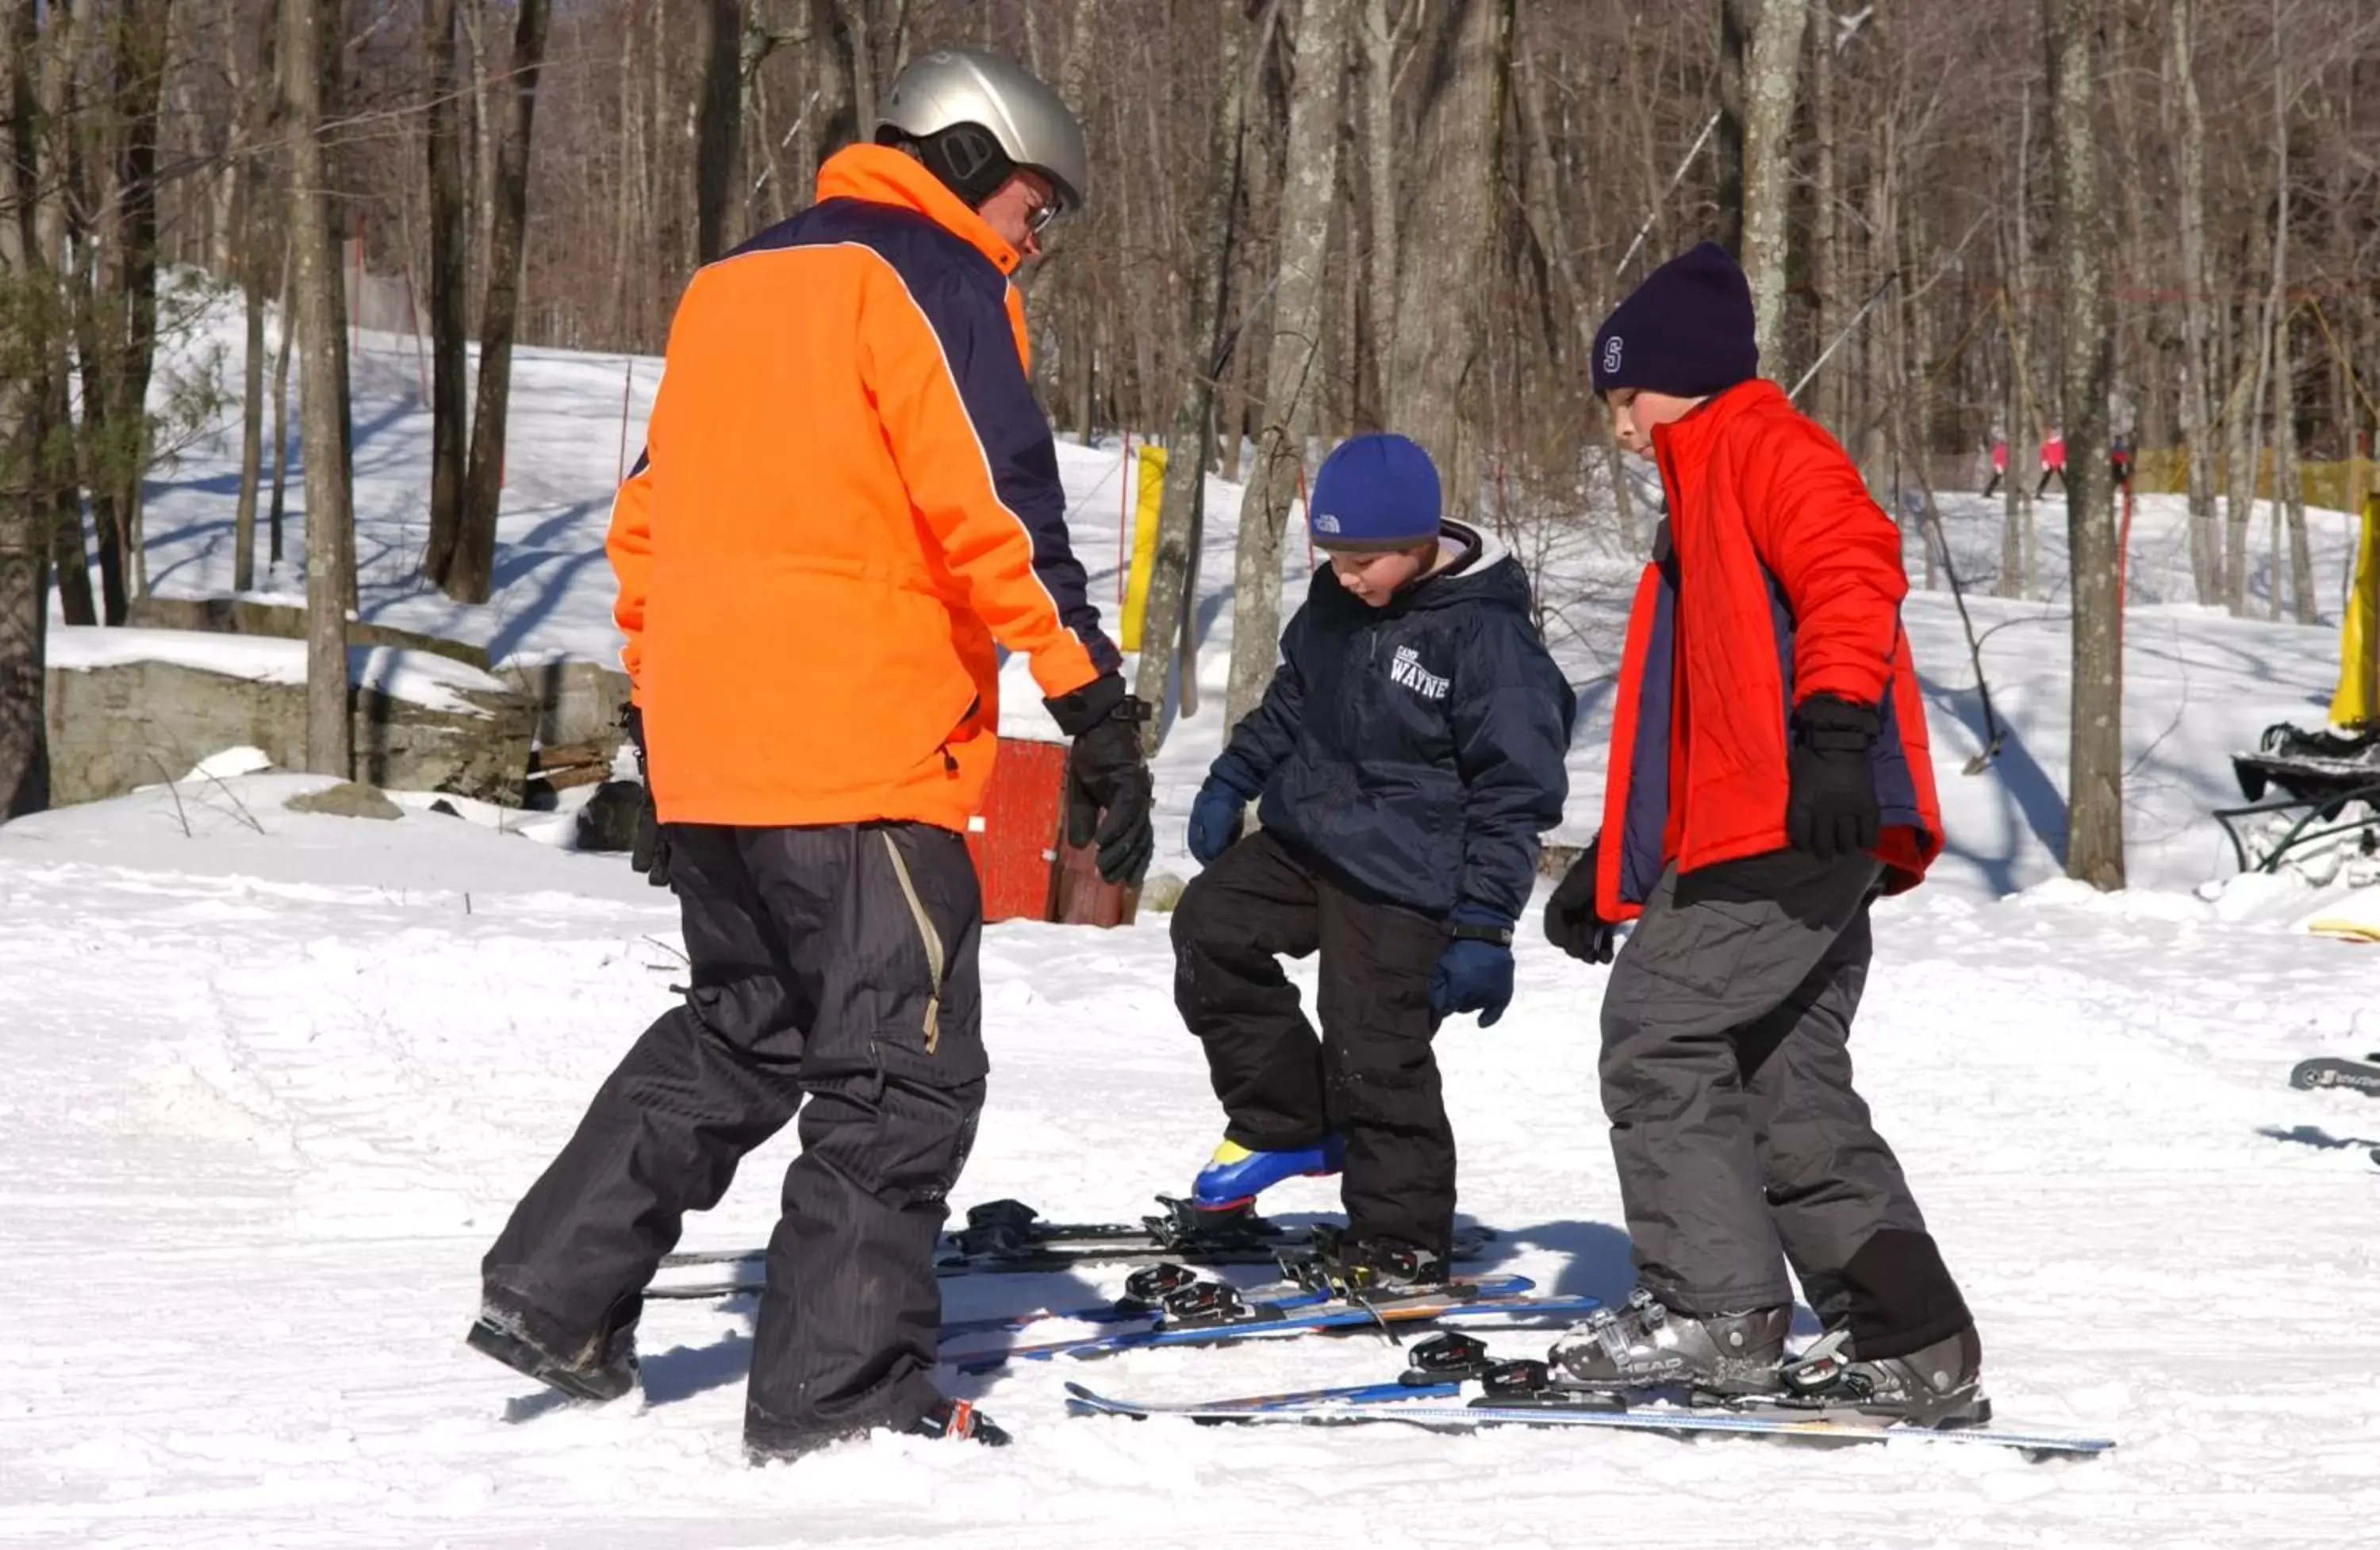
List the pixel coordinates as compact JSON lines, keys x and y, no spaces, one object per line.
{"x":1028,"y":870}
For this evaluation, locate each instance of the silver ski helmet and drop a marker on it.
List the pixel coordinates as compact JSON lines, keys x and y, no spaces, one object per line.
{"x":975,"y":118}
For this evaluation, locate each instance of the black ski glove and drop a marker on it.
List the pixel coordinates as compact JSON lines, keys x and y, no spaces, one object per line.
{"x":1831,"y":811}
{"x":1572,"y":924}
{"x":649,"y":848}
{"x":1108,"y":789}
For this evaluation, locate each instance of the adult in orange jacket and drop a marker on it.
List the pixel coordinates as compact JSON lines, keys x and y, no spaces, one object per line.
{"x":848,"y":501}
{"x":1769,"y":778}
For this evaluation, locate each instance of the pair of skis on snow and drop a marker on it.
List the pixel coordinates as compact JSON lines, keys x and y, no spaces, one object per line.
{"x":1173,"y":1305}
{"x":1443,"y":1407}
{"x":1451,"y":1383}
{"x":1170,"y":1304}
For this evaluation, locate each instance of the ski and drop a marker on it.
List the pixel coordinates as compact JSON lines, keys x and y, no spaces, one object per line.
{"x":1009,"y":1237}
{"x":1141,"y":1305}
{"x":1212,"y":1315}
{"x":1443,"y":1407}
{"x":2359,"y":1076}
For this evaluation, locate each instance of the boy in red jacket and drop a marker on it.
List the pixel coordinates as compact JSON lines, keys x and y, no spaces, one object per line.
{"x":1769,"y":778}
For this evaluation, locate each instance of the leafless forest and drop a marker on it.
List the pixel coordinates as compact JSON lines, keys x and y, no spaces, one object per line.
{"x":1307,"y":217}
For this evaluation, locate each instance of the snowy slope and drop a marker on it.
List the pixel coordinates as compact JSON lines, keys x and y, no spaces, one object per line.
{"x":263,"y":1114}
{"x":273,"y":1083}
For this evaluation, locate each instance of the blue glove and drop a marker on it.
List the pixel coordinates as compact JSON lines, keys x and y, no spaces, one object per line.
{"x":1475,"y":973}
{"x":1219,"y":810}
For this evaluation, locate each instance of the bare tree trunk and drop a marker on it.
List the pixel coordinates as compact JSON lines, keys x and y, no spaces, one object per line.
{"x":1734,"y":43}
{"x":483,"y":135}
{"x":2095,"y":808}
{"x":1290,"y":372}
{"x":2016,"y":492}
{"x":483,"y":495}
{"x":719,"y":126}
{"x":277,"y":505}
{"x":248,"y":200}
{"x":1185,"y":462}
{"x":322,"y":404}
{"x":43,"y":198}
{"x":2289,"y":481}
{"x":138,"y":45}
{"x":1438,"y":366}
{"x":1387,"y":27}
{"x":2289,"y":487}
{"x":26,"y":512}
{"x":251,"y":428}
{"x":2197,"y":407}
{"x":1770,"y":91}
{"x":450,"y":238}
{"x":2025,"y":425}
{"x":2243,"y":453}
{"x":1834,"y":302}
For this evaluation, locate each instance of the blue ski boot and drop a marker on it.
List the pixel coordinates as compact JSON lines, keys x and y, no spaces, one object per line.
{"x":1234,"y":1176}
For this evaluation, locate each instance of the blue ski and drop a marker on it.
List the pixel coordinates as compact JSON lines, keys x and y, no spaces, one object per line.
{"x":1108,"y":1312}
{"x":1441,"y":1405}
{"x":1488,"y":1299}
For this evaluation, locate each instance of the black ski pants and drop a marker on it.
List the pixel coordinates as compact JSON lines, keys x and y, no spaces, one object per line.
{"x":833,"y":971}
{"x":1370,"y":1075}
{"x":1739,"y":1139}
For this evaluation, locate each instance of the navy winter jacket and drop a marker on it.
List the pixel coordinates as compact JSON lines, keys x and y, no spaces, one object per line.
{"x":1416,"y":749}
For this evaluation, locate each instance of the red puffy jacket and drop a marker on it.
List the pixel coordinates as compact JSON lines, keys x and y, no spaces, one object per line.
{"x":1775,"y":578}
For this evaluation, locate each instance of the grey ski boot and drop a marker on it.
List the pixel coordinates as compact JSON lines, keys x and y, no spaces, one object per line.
{"x":1646,"y":1345}
{"x":1937,"y":1385}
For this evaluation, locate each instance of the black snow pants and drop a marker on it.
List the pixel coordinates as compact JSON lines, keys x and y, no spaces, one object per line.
{"x":1739,"y":1143}
{"x":1370,"y":1075}
{"x":833,"y":971}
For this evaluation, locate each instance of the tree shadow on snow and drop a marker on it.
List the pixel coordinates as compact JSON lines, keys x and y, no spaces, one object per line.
{"x":2316,"y":1137}
{"x":2024,"y":785}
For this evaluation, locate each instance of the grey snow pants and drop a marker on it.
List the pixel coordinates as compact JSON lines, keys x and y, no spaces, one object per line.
{"x":834,"y":972}
{"x":1739,"y":1139}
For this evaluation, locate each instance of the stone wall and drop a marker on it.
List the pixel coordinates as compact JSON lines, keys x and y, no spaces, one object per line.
{"x":575,"y":702}
{"x":137,"y":724}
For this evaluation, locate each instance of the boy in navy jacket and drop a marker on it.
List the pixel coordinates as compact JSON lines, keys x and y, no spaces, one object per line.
{"x":1405,"y":759}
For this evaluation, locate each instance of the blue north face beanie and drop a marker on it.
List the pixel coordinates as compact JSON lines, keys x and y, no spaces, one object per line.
{"x":1374,"y":491}
{"x":1687,"y":330}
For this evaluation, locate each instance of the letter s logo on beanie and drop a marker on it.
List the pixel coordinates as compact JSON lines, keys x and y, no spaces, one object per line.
{"x":1612,"y":355}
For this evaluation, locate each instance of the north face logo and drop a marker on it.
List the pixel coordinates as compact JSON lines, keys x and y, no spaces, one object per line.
{"x":1325,"y":523}
{"x":1612,"y":355}
{"x":1406,"y":668}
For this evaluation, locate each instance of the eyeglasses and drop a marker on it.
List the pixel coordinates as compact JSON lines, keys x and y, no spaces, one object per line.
{"x":1043,"y":213}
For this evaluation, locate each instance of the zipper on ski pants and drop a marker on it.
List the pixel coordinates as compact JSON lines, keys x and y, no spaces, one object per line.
{"x":926,"y":933}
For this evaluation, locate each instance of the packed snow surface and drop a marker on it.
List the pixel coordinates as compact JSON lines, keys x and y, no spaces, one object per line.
{"x":274,"y":1079}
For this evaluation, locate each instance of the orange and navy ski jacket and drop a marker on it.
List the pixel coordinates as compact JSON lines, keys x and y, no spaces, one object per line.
{"x":847,"y":496}
{"x":1775,"y":578}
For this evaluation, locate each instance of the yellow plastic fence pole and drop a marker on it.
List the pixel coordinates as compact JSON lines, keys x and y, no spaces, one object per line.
{"x":1143,"y":542}
{"x":2359,"y":632}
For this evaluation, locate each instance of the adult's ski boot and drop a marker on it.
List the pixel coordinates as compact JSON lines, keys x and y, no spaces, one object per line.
{"x":603,"y":1369}
{"x":1234,"y":1176}
{"x":959,"y":1419}
{"x":1649,"y":1345}
{"x":766,"y":1443}
{"x":1938,"y":1386}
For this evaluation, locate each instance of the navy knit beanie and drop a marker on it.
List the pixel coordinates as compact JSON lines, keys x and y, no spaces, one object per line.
{"x":1687,"y":330}
{"x":1377,"y":492}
